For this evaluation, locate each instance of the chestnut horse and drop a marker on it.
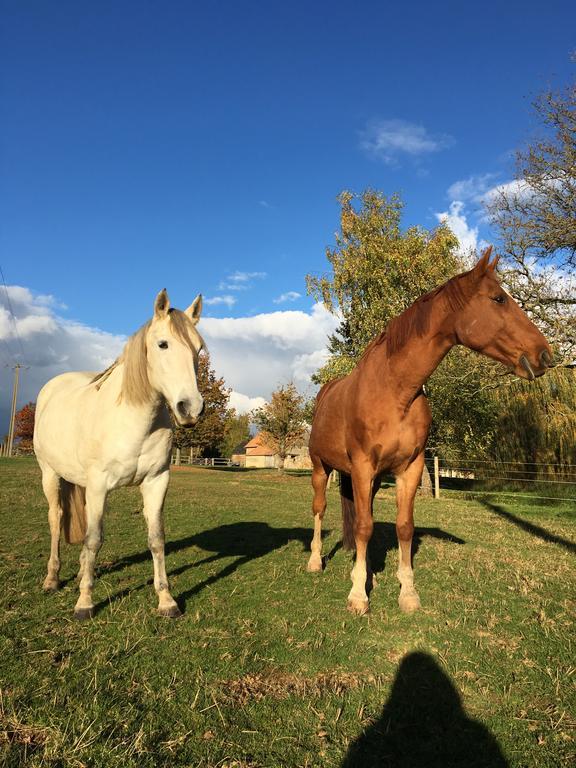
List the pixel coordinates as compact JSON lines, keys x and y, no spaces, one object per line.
{"x":377,"y":418}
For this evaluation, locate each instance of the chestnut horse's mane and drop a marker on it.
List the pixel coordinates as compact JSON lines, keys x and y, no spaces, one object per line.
{"x":415,"y":320}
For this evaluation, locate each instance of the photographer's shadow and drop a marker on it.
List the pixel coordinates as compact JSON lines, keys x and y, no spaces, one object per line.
{"x":423,"y":725}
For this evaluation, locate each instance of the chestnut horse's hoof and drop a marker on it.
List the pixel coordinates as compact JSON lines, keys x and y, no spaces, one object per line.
{"x":358,"y":606}
{"x":172,"y":612}
{"x":82,"y":614}
{"x":409,"y":603}
{"x":315,"y":565}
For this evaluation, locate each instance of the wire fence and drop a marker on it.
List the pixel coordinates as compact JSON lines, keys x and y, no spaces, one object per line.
{"x":538,"y":480}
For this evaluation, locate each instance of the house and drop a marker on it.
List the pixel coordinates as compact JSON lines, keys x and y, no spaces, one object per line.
{"x":238,"y":457}
{"x":260,"y":455}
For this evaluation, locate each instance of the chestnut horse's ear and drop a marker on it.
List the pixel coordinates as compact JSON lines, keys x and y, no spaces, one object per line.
{"x":195,"y":309}
{"x":483,"y":264}
{"x":494,"y":263}
{"x":161,"y":305}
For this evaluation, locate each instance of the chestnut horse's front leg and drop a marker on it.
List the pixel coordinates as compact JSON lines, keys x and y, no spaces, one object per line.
{"x":319,"y":482}
{"x":362,"y":481}
{"x":406,"y":486}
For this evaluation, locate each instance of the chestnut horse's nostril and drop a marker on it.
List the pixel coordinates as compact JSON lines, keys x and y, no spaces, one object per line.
{"x":525,"y":363}
{"x":546,"y":358}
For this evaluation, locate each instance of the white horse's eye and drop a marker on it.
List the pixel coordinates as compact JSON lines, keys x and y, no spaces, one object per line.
{"x":163,"y":344}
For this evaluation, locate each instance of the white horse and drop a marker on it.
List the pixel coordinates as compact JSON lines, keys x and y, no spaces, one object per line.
{"x":94,"y":433}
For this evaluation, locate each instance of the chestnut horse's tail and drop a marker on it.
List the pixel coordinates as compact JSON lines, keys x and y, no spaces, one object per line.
{"x":73,"y":503}
{"x":348,"y":511}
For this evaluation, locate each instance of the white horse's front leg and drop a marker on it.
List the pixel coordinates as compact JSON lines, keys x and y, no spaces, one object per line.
{"x":95,"y":499}
{"x":153,"y":493}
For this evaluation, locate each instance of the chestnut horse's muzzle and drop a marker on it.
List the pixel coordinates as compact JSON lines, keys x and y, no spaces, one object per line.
{"x":544,"y":361}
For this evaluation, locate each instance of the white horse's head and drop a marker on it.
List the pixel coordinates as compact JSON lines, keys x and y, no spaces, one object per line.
{"x":172,"y":348}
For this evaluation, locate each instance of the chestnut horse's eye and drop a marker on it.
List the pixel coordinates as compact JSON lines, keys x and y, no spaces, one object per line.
{"x":163,"y":344}
{"x":499,"y":299}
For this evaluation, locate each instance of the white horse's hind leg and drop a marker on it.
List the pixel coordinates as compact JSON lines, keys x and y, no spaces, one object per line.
{"x":95,"y":499}
{"x":153,"y":493}
{"x":51,"y":486}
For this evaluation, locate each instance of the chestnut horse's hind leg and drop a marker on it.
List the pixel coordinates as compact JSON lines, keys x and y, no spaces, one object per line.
{"x":363,"y":526}
{"x":319,"y":481}
{"x":51,"y":486}
{"x":406,"y":485}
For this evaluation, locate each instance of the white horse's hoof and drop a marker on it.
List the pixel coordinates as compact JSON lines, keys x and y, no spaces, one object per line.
{"x":50,"y":585}
{"x":82,"y":614}
{"x":172,"y":612}
{"x":410,"y":602}
{"x":358,"y":606}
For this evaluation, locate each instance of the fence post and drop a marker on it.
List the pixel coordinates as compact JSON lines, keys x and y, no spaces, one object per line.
{"x":177,"y":457}
{"x":436,"y":478}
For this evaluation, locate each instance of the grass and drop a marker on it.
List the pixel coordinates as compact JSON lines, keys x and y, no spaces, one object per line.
{"x":266,"y":668}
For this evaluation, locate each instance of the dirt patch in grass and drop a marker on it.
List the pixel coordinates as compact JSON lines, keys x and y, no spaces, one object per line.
{"x":282,"y":686}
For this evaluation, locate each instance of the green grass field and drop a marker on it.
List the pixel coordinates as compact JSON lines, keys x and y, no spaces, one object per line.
{"x":266,"y":667}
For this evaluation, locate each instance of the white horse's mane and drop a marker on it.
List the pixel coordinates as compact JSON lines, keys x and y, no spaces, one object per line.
{"x":136,"y":388}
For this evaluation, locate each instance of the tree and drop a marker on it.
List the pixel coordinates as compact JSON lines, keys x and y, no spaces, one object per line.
{"x":281,"y":421}
{"x":237,"y":431}
{"x":535,"y":216}
{"x":24,"y":426}
{"x":378,"y":270}
{"x":537,"y":424}
{"x":206,"y":438}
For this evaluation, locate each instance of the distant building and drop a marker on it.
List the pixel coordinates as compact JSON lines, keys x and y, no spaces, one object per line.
{"x":259,"y":455}
{"x":238,"y":456}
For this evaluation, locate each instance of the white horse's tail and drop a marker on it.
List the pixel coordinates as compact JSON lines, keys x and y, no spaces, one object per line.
{"x":73,"y":503}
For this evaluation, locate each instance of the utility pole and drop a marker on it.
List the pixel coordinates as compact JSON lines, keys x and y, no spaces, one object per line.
{"x":16,"y":370}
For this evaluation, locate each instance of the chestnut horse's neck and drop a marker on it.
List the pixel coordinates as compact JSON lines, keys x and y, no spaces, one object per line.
{"x":402,"y":359}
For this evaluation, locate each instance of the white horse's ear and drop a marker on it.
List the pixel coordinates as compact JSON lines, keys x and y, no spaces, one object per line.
{"x":162,"y":304}
{"x":195,"y":309}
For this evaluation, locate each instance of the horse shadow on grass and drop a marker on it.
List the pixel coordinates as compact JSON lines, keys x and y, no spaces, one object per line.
{"x":525,"y":525}
{"x":423,"y":725}
{"x":244,"y":541}
{"x":251,"y":540}
{"x":384,"y":540}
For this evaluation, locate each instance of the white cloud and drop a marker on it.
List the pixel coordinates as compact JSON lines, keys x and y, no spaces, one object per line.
{"x":51,"y":345}
{"x":388,"y":140}
{"x":244,"y":404}
{"x":228,"y":300}
{"x":472,"y":189}
{"x":510,"y":189}
{"x":303,"y":366}
{"x":456,"y":219}
{"x":288,"y":296}
{"x":253,"y":354}
{"x":240,"y":281}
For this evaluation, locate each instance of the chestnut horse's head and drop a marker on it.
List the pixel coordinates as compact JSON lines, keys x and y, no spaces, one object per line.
{"x":492,"y":323}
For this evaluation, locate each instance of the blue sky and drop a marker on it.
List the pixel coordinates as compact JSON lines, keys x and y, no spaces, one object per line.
{"x":201,"y":146}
